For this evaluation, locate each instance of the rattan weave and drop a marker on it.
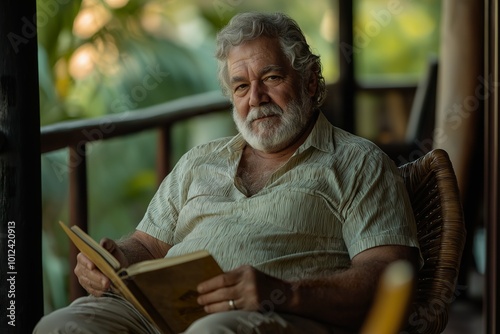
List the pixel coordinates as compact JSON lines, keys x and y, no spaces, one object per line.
{"x":433,"y":190}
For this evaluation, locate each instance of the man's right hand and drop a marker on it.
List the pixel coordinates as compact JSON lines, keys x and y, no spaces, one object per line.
{"x":137,"y":247}
{"x":90,"y":277}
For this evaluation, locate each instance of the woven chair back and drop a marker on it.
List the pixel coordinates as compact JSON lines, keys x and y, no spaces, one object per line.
{"x":433,"y":190}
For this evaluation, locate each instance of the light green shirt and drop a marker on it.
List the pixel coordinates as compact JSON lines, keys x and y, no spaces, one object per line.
{"x":338,"y":195}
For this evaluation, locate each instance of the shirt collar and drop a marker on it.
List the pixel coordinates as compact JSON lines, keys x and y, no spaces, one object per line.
{"x":321,"y":137}
{"x":237,"y":143}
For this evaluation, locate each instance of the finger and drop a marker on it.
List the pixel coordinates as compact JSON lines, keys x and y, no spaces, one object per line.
{"x":94,"y":287}
{"x":109,"y":245}
{"x":224,"y":306}
{"x":216,"y":296}
{"x":90,"y":271}
{"x":95,"y":292}
{"x":227,"y":279}
{"x":83,"y":260}
{"x":91,"y":278}
{"x":112,"y":247}
{"x":99,"y":281}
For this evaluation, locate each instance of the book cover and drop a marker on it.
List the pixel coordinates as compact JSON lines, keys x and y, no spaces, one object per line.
{"x":163,"y":290}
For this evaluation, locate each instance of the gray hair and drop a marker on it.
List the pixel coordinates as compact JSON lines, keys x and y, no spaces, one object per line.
{"x":245,"y":27}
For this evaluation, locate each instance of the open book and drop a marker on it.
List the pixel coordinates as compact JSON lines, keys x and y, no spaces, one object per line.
{"x":163,"y":290}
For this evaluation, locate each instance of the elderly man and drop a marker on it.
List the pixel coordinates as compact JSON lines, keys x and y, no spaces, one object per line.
{"x":290,"y":205}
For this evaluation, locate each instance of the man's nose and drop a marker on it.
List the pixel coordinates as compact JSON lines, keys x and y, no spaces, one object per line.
{"x":258,"y":94}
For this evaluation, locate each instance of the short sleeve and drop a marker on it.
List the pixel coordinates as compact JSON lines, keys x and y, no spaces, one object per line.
{"x":379,"y":211}
{"x":161,"y":215}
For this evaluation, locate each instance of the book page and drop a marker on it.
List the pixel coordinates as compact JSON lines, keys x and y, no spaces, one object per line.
{"x":156,"y":264}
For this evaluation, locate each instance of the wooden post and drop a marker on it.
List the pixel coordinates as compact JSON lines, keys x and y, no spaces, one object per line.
{"x":346,"y":83}
{"x":492,"y":167}
{"x":21,"y":295}
{"x":163,"y":153}
{"x":459,"y":110}
{"x":78,"y":207}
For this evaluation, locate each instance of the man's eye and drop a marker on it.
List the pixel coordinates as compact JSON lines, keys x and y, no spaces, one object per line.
{"x":240,"y":88}
{"x":273,"y":79}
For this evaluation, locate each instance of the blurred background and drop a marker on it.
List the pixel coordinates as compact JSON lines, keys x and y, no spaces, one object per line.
{"x":102,"y":57}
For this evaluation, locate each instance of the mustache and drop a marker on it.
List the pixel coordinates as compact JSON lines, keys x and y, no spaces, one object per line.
{"x":264,"y":111}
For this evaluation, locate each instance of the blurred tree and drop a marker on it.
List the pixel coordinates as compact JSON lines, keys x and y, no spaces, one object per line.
{"x":393,"y":39}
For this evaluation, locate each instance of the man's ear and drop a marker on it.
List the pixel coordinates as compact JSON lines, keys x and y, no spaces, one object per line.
{"x":312,"y":84}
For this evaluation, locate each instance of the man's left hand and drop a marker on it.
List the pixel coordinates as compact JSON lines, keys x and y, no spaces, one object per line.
{"x":244,"y":288}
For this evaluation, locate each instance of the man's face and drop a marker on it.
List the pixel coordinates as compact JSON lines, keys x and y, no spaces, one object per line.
{"x":271,"y":105}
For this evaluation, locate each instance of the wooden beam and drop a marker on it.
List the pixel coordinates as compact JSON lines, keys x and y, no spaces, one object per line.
{"x":21,"y":299}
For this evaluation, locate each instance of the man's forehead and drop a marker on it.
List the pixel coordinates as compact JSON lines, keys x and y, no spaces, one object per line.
{"x":261,"y":54}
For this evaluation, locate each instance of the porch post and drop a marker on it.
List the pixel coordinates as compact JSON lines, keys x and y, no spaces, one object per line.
{"x":21,"y":295}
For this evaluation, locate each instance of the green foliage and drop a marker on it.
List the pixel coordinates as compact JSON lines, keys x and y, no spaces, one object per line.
{"x":394,"y":39}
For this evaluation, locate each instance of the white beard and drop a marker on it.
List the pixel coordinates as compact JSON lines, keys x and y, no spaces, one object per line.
{"x":275,"y":133}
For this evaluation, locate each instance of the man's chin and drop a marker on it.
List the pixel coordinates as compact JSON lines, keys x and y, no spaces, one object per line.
{"x":265,"y":124}
{"x":266,"y":119}
{"x":267,"y":145}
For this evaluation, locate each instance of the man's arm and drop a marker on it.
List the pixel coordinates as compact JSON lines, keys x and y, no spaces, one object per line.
{"x":341,"y":299}
{"x":139,"y":246}
{"x":344,"y":299}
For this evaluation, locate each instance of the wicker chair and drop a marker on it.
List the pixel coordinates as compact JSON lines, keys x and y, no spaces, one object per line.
{"x":432,"y":187}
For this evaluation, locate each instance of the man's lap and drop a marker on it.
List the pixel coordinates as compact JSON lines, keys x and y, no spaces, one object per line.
{"x":107,"y":314}
{"x":113,"y":314}
{"x":245,"y":322}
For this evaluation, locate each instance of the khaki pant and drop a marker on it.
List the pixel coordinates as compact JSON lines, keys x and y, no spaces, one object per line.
{"x":113,"y":314}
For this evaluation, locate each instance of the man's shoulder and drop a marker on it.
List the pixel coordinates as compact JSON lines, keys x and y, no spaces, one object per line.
{"x":213,"y":147}
{"x":349,"y":143}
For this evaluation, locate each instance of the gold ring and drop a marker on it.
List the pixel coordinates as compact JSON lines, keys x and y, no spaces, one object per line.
{"x":232,"y":305}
